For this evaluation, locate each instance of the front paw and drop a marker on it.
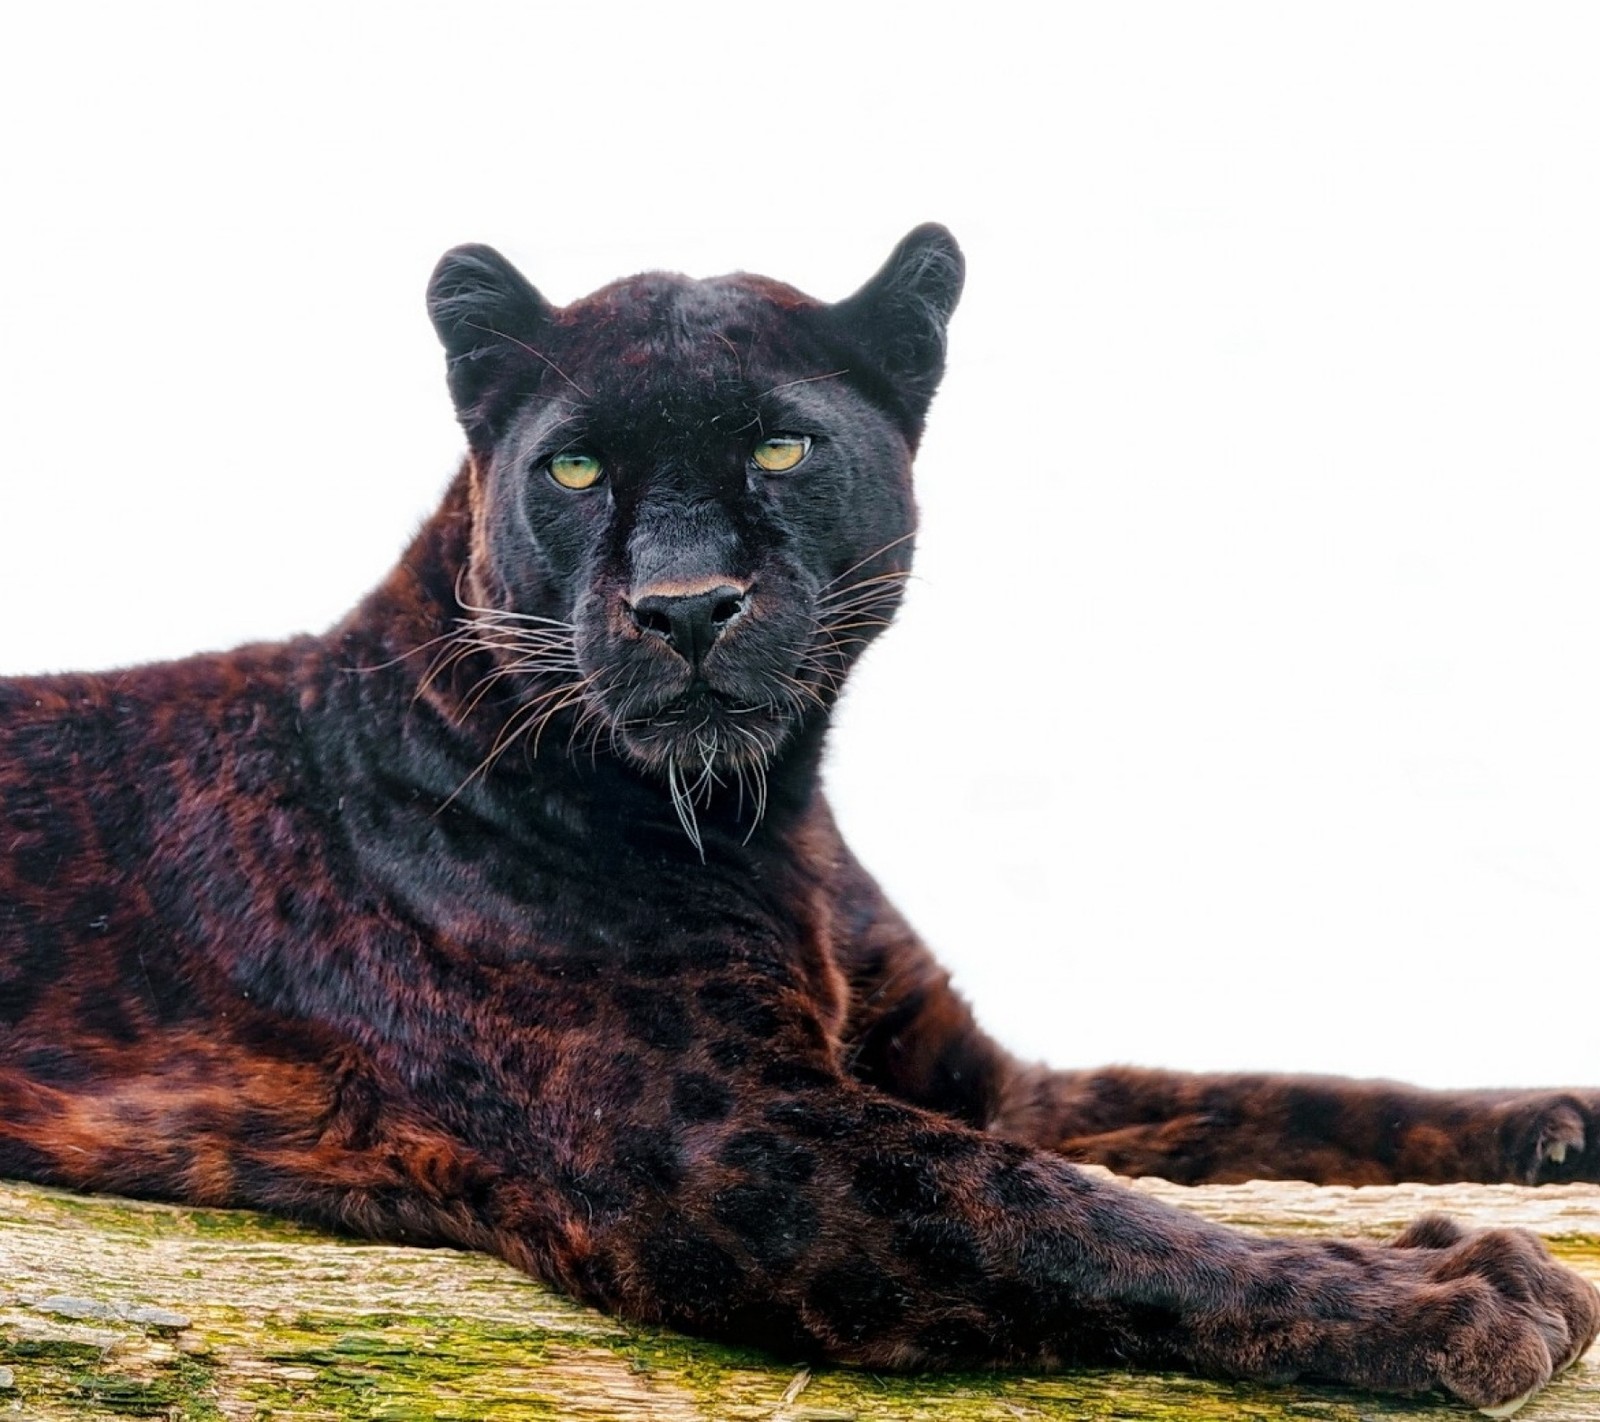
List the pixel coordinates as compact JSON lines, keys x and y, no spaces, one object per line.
{"x":1489,"y":1311}
{"x":1488,"y":1316}
{"x":1546,"y":1137}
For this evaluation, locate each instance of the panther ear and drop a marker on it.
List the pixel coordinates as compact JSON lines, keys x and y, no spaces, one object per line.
{"x":897,"y":320}
{"x":490,"y":320}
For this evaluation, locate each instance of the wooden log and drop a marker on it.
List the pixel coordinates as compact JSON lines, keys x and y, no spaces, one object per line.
{"x":113,"y":1308}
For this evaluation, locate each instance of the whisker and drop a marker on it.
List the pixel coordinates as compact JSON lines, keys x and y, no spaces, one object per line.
{"x":523,"y":345}
{"x":527,"y":668}
{"x":860,"y":586}
{"x":395,"y":661}
{"x":804,"y":380}
{"x":499,"y":614}
{"x":447,"y":657}
{"x":684,"y":807}
{"x":530,"y":714}
{"x":574,"y":697}
{"x":878,"y":553}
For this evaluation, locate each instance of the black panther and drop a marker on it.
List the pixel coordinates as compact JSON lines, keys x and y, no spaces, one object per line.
{"x":509,"y":913}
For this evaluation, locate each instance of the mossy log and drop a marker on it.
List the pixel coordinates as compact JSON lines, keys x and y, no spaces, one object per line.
{"x":112,"y":1308}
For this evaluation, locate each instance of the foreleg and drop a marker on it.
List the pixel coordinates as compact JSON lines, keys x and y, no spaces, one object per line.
{"x":912,"y":1035}
{"x":1329,"y":1130}
{"x":829,"y":1221}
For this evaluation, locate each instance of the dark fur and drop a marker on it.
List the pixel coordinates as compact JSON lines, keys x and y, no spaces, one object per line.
{"x":401,"y":929}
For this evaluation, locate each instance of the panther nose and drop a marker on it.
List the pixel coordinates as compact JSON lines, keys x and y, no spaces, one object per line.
{"x":689,"y":620}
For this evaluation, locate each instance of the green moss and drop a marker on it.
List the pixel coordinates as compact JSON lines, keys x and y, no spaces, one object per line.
{"x":1582,"y":1251}
{"x":52,"y":1350}
{"x":183,"y":1390}
{"x":126,"y":1395}
{"x":395,"y":1369}
{"x":243,"y":1224}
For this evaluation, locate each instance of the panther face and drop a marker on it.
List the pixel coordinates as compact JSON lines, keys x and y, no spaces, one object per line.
{"x":692,"y":499}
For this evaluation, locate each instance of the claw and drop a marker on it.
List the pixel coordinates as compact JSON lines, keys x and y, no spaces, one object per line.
{"x":1506,"y":1409}
{"x":1556,"y":1153}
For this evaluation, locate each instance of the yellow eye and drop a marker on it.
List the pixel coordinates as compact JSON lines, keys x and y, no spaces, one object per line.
{"x":575,"y":471}
{"x":781,"y":453}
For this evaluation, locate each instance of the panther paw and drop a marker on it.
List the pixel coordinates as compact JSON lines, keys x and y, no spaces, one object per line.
{"x":1503,"y":1315}
{"x":1548,"y":1138}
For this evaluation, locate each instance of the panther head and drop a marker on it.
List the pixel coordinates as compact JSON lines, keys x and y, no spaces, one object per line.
{"x":691,"y":499}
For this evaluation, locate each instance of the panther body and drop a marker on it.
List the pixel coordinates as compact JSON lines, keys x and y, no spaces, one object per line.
{"x":510,"y":914}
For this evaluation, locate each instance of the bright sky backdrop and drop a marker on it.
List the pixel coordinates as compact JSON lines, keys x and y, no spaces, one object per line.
{"x":1247,"y":712}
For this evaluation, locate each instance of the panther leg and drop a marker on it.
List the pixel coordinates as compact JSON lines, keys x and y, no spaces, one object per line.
{"x":1329,"y":1130}
{"x":207,"y":1121}
{"x":911,"y":1034}
{"x":825,"y":1219}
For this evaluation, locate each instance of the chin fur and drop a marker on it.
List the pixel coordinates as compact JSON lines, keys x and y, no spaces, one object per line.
{"x":703,"y":746}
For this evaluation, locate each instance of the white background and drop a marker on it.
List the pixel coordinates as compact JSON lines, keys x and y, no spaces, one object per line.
{"x":1246,"y":714}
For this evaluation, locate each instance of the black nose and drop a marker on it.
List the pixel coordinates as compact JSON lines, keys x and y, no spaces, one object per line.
{"x":690,"y":623}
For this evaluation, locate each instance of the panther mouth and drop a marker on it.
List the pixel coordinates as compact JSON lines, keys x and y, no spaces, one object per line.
{"x":705,"y":743}
{"x":704,"y":726}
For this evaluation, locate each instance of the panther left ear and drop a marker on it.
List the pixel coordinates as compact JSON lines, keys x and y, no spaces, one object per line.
{"x":898,"y":319}
{"x":490,"y":320}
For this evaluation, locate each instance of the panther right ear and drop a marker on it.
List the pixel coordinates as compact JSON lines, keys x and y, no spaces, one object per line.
{"x":898,"y":319}
{"x":490,"y":320}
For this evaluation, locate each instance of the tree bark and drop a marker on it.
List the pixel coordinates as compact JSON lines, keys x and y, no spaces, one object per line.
{"x":114,"y":1308}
